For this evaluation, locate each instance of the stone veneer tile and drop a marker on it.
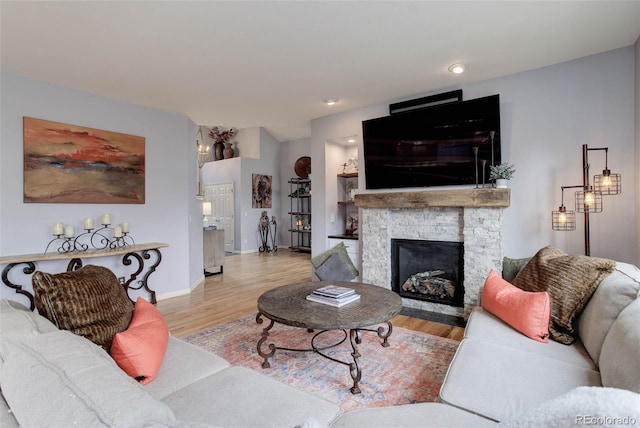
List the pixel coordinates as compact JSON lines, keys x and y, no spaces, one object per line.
{"x":480,"y":229}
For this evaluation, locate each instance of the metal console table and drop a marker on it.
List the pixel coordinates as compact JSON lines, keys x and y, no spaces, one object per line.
{"x":139,"y":253}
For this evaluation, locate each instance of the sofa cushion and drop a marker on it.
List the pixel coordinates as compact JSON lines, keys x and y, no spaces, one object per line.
{"x":64,"y":379}
{"x":18,"y":323}
{"x":89,"y":302}
{"x":484,"y":326}
{"x":569,"y":280}
{"x":241,"y":397}
{"x":182,"y":365}
{"x":418,"y":415}
{"x":615,"y":292}
{"x":527,"y":312}
{"x":619,"y":360}
{"x":583,"y":406}
{"x":7,"y":420}
{"x":139,"y":349}
{"x":500,"y":382}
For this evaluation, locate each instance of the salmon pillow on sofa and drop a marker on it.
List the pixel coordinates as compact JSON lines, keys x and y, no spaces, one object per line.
{"x":139,"y":350}
{"x":525,"y":311}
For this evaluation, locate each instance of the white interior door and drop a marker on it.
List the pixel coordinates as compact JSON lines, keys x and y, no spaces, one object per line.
{"x":221,"y":196}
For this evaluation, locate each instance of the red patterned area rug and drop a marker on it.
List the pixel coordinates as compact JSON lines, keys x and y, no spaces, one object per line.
{"x":410,"y":370}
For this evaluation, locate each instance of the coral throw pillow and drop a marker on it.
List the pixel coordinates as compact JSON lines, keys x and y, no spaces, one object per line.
{"x":527,"y":312}
{"x":139,"y":349}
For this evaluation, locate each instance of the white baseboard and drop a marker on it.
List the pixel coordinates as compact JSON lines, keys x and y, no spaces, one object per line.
{"x":182,"y":292}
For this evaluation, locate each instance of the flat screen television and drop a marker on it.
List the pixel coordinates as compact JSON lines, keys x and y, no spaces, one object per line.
{"x":433,"y":146}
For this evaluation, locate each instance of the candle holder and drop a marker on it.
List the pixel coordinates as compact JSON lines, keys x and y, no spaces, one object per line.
{"x":122,"y":241}
{"x":99,"y":240}
{"x":77,"y":242}
{"x":484,"y":165}
{"x":475,"y":154}
{"x":66,"y":246}
{"x":102,"y":238}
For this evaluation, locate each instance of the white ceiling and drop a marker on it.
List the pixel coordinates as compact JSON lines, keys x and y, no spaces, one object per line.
{"x":271,"y":64}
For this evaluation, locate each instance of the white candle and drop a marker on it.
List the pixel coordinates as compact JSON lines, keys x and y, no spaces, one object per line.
{"x":88,"y":223}
{"x":117,"y":232}
{"x":57,"y":229}
{"x":69,"y":231}
{"x":125,"y":227}
{"x":106,"y":219}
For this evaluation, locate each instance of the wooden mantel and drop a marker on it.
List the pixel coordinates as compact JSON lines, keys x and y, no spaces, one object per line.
{"x":473,"y":198}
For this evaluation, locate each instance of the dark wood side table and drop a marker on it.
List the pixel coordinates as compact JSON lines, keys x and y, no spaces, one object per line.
{"x":288,"y":305}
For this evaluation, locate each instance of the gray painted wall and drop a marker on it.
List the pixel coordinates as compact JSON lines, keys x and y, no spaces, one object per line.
{"x":546,"y":116}
{"x":264,"y":151}
{"x":170,"y":182}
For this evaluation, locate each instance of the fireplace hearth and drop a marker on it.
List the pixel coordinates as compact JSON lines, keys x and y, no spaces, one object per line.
{"x":472,"y":217}
{"x":427,"y":270}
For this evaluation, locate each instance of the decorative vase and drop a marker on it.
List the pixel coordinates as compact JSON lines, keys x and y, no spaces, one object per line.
{"x":219,"y":149}
{"x":228,"y":151}
{"x":502,"y":183}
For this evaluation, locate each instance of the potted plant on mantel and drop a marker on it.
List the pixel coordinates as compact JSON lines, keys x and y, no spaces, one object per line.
{"x":501,"y":174}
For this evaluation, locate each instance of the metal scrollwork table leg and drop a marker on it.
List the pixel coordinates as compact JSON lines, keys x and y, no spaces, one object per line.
{"x":27,"y":270}
{"x":355,"y":338}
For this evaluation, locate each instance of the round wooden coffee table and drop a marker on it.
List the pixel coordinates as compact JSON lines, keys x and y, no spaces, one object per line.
{"x":288,"y":305}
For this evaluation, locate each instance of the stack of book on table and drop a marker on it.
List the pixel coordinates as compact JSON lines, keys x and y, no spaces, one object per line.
{"x":334,"y":295}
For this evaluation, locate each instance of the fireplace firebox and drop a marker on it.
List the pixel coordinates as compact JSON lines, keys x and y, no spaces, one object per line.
{"x":428,"y":270}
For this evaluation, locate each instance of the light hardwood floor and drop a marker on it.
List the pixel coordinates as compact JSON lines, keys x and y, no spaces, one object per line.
{"x":234,"y":294}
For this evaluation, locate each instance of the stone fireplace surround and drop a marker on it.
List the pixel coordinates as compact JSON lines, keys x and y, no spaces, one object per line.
{"x":471,"y":216}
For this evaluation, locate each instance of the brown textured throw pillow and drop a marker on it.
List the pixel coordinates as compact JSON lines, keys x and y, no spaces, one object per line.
{"x":89,"y":302}
{"x":570,"y":281}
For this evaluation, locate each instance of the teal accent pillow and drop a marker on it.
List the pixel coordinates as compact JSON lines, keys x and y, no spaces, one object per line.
{"x":340,"y":260}
{"x":512,"y":267}
{"x":334,"y":269}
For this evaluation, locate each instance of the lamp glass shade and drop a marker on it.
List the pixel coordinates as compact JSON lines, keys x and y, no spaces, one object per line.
{"x":206,"y":208}
{"x":589,"y":201}
{"x":563,"y":220}
{"x":608,"y":183}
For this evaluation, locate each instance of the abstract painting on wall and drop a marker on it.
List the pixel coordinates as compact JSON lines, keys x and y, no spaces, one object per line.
{"x":261,"y":191}
{"x":73,"y":164}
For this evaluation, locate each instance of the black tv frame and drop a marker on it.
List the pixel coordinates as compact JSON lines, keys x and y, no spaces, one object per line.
{"x":433,"y":146}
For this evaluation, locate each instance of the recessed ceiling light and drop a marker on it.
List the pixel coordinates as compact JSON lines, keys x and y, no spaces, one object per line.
{"x":331,"y":101}
{"x":351,"y":140}
{"x":456,"y":68}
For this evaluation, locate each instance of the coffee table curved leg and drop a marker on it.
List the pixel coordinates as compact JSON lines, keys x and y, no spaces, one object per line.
{"x":263,"y":338}
{"x":384,"y":336}
{"x":355,"y":336}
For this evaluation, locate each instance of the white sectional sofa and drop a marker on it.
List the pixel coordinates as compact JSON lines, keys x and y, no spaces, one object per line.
{"x":50,"y":377}
{"x":498,"y":376}
{"x":518,"y":373}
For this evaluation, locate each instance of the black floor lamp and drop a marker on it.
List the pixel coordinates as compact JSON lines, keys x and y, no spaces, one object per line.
{"x":589,"y":199}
